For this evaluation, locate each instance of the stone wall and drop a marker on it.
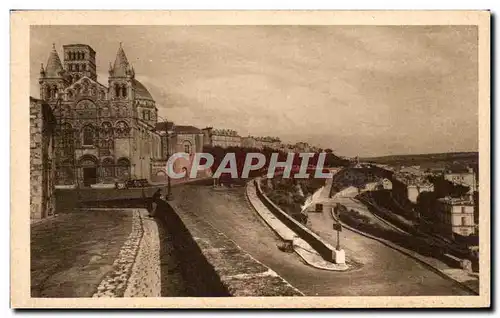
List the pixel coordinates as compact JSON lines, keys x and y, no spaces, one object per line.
{"x":215,"y":266}
{"x":322,"y":247}
{"x":211,"y":264}
{"x":42,"y":163}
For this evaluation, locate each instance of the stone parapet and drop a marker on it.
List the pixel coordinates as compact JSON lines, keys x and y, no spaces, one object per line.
{"x":215,"y":266}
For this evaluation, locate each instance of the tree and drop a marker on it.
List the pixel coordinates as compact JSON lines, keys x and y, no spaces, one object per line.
{"x":426,"y":202}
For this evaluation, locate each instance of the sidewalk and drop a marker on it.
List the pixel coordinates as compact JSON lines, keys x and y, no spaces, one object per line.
{"x":96,"y":253}
{"x":71,"y":253}
{"x":301,"y":247}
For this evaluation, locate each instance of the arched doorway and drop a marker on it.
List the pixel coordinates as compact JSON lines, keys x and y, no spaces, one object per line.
{"x":123,"y":169}
{"x":107,"y":170}
{"x":185,"y":172}
{"x":88,"y":166}
{"x":160,"y":176}
{"x":187,"y":147}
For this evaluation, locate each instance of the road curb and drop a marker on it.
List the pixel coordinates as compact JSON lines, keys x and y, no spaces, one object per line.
{"x":407,"y":253}
{"x":284,"y":239}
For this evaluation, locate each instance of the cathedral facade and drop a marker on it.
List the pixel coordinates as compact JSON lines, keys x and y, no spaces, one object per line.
{"x":104,"y":133}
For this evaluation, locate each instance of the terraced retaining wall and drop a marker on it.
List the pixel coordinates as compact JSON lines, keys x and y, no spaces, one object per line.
{"x":323,"y":248}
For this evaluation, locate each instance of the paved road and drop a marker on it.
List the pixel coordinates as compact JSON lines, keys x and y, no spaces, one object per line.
{"x":385,"y":271}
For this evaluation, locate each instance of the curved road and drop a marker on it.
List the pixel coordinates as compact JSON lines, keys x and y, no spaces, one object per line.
{"x":385,"y":272}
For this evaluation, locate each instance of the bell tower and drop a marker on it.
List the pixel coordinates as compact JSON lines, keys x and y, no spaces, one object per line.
{"x":53,"y":79}
{"x":79,"y":61}
{"x":121,"y":77}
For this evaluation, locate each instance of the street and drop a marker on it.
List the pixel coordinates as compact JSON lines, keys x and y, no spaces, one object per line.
{"x":384,"y":271}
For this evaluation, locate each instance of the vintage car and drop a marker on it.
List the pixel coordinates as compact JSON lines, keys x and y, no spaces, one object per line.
{"x":132,"y":183}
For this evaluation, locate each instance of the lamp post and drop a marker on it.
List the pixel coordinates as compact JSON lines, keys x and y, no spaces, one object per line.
{"x":168,"y":196}
{"x":168,"y":131}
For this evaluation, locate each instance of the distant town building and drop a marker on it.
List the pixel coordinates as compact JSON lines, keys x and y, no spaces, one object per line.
{"x":357,"y":177}
{"x":456,"y":215}
{"x":415,"y":170}
{"x":385,"y":184}
{"x":269,"y":142}
{"x":221,"y":137}
{"x":287,"y":148}
{"x":42,"y":163}
{"x":181,"y":139}
{"x":249,"y":142}
{"x":464,"y":178}
{"x":407,"y":187}
{"x":302,"y":147}
{"x":456,"y":183}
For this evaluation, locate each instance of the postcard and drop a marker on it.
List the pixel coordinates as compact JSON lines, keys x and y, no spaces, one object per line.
{"x":250,"y":159}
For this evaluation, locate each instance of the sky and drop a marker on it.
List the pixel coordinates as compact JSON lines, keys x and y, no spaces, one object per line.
{"x":359,"y":90}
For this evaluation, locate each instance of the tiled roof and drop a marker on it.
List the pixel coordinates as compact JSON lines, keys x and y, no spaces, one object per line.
{"x":181,"y":129}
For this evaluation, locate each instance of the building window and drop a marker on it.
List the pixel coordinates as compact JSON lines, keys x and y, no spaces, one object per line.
{"x":107,"y":168}
{"x":124,"y":91}
{"x":146,"y":115}
{"x":84,"y":67}
{"x":117,"y":90}
{"x":88,"y":136}
{"x":187,"y":149}
{"x":464,"y":220}
{"x":463,"y":210}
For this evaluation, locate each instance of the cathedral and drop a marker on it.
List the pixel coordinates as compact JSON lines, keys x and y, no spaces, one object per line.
{"x":104,"y":133}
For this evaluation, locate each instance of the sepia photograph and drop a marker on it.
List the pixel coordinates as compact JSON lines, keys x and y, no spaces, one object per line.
{"x":294,"y":161}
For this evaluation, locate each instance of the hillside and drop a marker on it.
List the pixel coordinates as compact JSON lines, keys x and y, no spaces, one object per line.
{"x":428,"y":160}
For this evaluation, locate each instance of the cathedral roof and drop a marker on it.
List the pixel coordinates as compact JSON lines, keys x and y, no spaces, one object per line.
{"x":141,"y":92}
{"x":182,"y":129}
{"x":177,"y":129}
{"x":54,"y":66}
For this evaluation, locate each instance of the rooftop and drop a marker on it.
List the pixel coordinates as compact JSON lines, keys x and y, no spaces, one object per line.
{"x":79,"y":45}
{"x":412,"y":179}
{"x":141,"y":92}
{"x":181,"y":129}
{"x":455,"y":201}
{"x":225,"y":132}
